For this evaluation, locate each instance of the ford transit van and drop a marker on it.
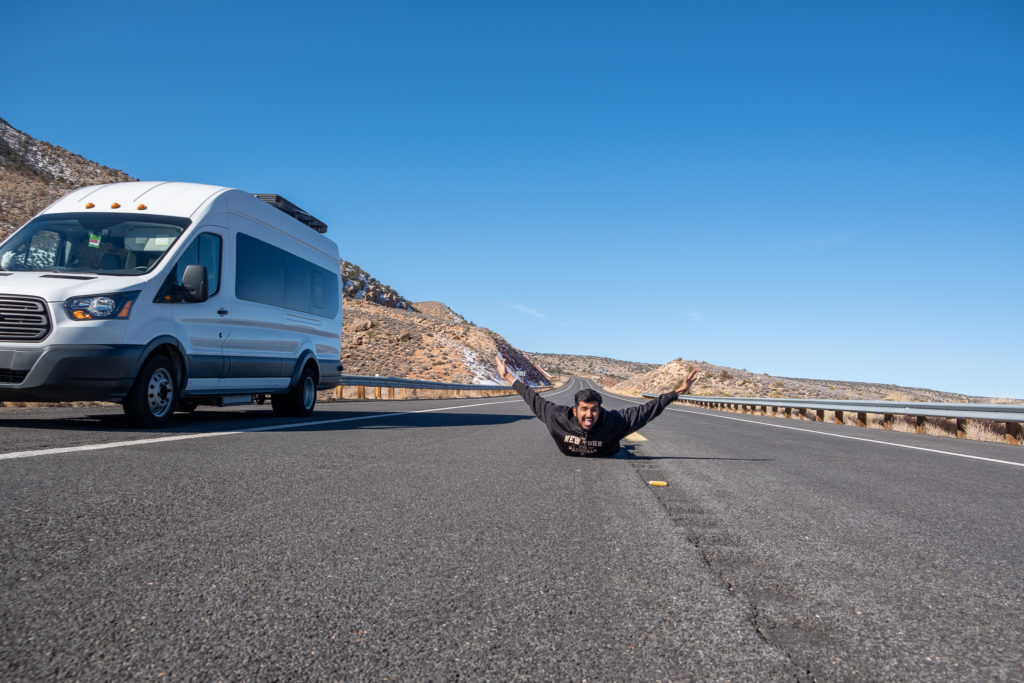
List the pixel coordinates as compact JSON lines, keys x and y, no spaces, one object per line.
{"x":165,"y":296}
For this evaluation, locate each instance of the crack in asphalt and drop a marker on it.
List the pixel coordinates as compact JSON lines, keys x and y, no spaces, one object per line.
{"x":718,"y":550}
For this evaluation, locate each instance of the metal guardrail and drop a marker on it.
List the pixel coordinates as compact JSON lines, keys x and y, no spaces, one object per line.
{"x":392,"y":383}
{"x":1011,"y":414}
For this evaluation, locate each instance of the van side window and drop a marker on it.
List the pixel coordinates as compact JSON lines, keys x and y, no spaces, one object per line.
{"x":268,"y":275}
{"x":205,"y":250}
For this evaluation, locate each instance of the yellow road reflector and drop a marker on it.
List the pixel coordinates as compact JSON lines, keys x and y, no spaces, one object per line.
{"x":658,"y":483}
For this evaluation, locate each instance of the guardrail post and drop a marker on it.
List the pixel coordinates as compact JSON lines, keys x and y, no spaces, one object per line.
{"x":361,"y":392}
{"x":391,"y":392}
{"x":862,"y":419}
{"x":337,"y":392}
{"x":819,"y":416}
{"x":838,"y":418}
{"x":376,"y":392}
{"x":961,"y":428}
{"x":789,"y":413}
{"x":887,"y":421}
{"x":921,"y":420}
{"x":1014,"y":433}
{"x":802,"y":413}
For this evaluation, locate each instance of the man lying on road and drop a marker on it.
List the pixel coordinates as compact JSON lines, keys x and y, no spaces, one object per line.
{"x":587,"y":428}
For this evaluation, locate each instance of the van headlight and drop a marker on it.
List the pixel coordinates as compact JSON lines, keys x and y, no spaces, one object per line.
{"x":101,"y":306}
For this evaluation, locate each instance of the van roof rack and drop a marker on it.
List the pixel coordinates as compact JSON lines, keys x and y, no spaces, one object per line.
{"x":295,"y":212}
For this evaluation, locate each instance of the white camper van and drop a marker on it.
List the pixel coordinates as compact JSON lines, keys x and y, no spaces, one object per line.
{"x":165,"y":296}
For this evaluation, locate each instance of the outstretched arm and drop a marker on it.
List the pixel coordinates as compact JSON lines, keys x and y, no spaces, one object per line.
{"x":637,"y":416}
{"x":541,"y":407}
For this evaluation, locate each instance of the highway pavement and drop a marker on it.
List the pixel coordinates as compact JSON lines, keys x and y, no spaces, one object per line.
{"x":444,"y":539}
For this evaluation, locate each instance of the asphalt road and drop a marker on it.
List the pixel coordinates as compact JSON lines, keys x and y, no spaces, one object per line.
{"x":433,"y":540}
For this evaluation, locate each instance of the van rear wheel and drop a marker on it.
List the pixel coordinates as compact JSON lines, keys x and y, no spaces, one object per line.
{"x":152,"y":398}
{"x":300,"y":399}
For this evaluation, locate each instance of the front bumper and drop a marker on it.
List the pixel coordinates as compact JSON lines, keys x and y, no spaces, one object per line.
{"x":79,"y":372}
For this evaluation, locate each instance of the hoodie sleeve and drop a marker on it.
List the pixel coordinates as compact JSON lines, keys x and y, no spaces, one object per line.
{"x":637,"y":416}
{"x":541,"y":407}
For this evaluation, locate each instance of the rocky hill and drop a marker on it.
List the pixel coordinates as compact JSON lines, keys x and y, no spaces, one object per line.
{"x":437,"y":345}
{"x":439,"y":310}
{"x":357,"y":284}
{"x":34,"y":174}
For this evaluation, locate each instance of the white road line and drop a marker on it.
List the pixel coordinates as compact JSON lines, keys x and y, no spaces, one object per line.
{"x":269,"y":428}
{"x":709,"y":413}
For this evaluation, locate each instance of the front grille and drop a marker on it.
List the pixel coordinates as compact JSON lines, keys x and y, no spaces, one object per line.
{"x":12,"y":376}
{"x":23,"y":319}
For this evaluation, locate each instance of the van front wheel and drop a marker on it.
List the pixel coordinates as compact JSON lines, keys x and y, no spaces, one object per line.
{"x":300,"y":399}
{"x":152,"y":398}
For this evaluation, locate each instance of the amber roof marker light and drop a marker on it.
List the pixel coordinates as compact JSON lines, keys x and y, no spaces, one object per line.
{"x":141,"y":207}
{"x":90,"y":205}
{"x":115,"y":205}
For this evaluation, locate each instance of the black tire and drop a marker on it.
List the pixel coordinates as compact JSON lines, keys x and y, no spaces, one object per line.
{"x":300,"y":399}
{"x":152,"y":398}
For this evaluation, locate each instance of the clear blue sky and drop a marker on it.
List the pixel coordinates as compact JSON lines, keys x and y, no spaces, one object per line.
{"x":812,"y":189}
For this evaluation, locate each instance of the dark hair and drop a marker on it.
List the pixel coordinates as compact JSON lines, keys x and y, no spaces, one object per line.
{"x":588,"y":396}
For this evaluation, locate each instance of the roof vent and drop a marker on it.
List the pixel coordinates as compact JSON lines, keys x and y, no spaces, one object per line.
{"x":295,"y":212}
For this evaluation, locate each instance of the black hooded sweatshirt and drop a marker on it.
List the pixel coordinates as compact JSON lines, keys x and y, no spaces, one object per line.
{"x":603,"y":438}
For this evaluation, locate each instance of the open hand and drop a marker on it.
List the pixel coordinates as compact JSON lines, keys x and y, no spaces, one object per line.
{"x":503,"y":371}
{"x":688,"y":381}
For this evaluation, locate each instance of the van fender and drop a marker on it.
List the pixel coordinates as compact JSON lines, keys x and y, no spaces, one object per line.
{"x":304,"y":358}
{"x":153,"y":345}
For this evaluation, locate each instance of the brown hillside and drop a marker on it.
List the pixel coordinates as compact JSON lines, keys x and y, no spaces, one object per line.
{"x":393,"y":342}
{"x":437,"y":309}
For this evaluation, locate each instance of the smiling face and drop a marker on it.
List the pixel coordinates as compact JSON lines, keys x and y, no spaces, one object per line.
{"x":586,"y":413}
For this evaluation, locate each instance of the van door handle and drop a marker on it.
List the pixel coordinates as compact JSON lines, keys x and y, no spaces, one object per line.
{"x":222,"y":311}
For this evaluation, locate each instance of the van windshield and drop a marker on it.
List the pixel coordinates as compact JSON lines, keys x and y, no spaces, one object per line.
{"x":107,"y":243}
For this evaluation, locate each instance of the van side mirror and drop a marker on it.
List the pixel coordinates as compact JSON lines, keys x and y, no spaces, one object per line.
{"x":194,"y":284}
